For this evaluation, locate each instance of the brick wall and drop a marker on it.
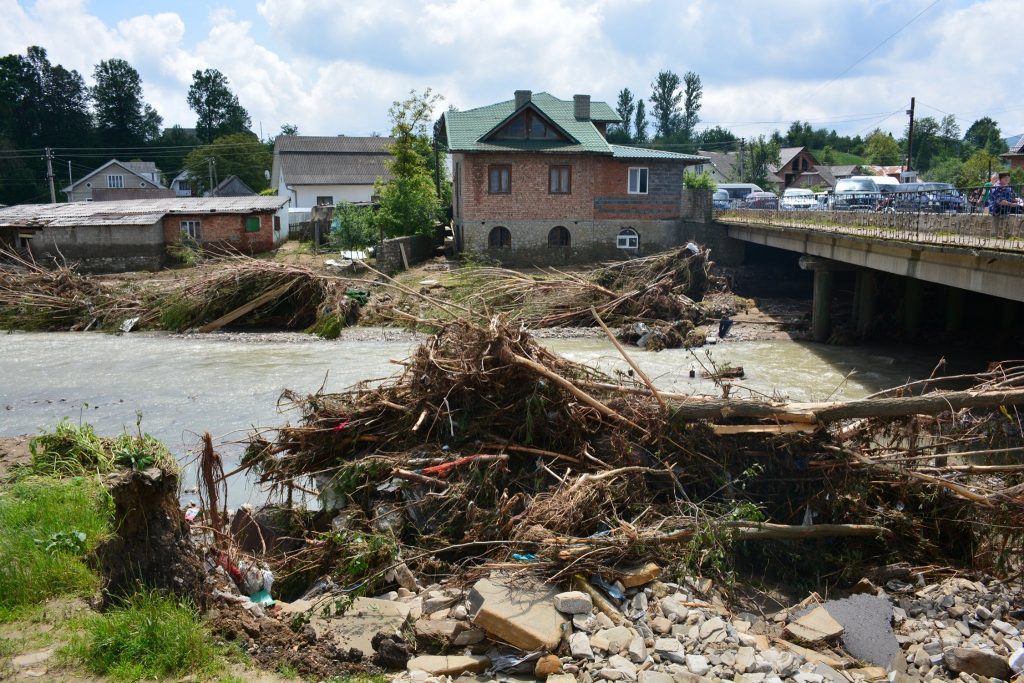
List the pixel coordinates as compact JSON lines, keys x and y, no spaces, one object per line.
{"x":224,"y":230}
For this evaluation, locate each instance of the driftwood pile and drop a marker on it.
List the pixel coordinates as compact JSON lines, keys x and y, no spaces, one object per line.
{"x":490,"y":447}
{"x":230,"y":290}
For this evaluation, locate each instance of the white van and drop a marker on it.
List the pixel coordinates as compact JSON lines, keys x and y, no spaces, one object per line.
{"x":739,"y":191}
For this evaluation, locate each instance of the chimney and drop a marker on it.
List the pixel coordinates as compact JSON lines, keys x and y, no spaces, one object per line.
{"x":522,"y":97}
{"x":581,"y":107}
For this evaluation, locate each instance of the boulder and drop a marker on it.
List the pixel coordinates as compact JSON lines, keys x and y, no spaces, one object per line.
{"x":574,"y":602}
{"x":977,"y":662}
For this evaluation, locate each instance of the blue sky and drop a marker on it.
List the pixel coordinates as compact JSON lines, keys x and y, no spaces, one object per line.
{"x":334,"y":67}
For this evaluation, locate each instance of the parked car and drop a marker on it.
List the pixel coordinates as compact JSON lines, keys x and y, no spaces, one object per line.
{"x":929,"y":197}
{"x":798,"y":199}
{"x":720,"y":200}
{"x":761,"y":200}
{"x":858,"y":193}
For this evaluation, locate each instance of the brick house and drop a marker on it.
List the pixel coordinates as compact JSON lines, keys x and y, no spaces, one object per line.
{"x":1016,"y":155}
{"x":536,"y":182}
{"x":134,"y":234}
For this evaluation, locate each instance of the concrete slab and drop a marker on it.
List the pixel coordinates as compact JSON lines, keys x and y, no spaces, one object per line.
{"x":867,"y":628}
{"x":361,"y":622}
{"x":520,"y":613}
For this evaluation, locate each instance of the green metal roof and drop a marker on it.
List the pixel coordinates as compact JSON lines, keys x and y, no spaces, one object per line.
{"x":466,"y":129}
{"x":624,"y":152}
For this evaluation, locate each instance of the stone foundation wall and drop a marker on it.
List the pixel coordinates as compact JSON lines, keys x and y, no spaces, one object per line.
{"x":103,"y":248}
{"x":389,"y":254}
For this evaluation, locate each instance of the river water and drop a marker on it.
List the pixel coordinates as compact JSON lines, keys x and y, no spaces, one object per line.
{"x":230,"y":384}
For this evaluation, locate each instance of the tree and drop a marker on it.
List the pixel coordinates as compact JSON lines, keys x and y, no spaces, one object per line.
{"x":289,"y":129}
{"x":640,"y":123}
{"x":665,"y":99}
{"x":947,"y":169}
{"x":692,"y":93}
{"x":123,"y":119}
{"x":978,"y":167}
{"x":880,"y":148}
{"x":408,"y":202}
{"x":984,"y":134}
{"x":240,"y":154}
{"x":217,"y":109}
{"x":174,"y":144}
{"x":716,"y":136}
{"x":626,"y":107}
{"x":828,"y":156}
{"x":761,"y":154}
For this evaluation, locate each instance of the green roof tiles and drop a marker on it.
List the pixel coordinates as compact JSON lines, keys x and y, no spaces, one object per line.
{"x":467,"y":128}
{"x":624,"y":152}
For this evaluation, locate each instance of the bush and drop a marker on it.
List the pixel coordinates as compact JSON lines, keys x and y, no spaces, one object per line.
{"x":73,"y":450}
{"x":47,"y":529}
{"x":149,"y":636}
{"x":357,"y":227}
{"x":699,"y":181}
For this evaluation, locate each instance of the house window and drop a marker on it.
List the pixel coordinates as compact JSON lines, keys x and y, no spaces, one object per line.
{"x":528,"y":126}
{"x":184,"y":186}
{"x":627,"y":239}
{"x":638,"y":181}
{"x":325,"y":201}
{"x":190,"y":229}
{"x":277,"y":224}
{"x":499,"y":238}
{"x":115,"y":181}
{"x":252,"y":224}
{"x":499,"y":179}
{"x":559,"y":179}
{"x":559,"y":237}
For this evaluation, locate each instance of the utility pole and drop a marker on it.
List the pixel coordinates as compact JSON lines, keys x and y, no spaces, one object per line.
{"x":49,"y":175}
{"x":71,"y":180}
{"x":910,"y":135}
{"x":742,"y":176}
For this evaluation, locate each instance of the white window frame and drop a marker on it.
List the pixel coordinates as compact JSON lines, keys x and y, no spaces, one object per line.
{"x":638,"y":180}
{"x":191,"y":228}
{"x":628,"y":238}
{"x":115,"y":181}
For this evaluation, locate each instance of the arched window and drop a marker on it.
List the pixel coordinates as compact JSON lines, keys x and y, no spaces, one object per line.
{"x":559,"y":237}
{"x":499,"y":238}
{"x":628,"y":239}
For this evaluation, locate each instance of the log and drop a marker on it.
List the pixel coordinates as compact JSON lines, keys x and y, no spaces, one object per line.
{"x":730,"y":430}
{"x":234,"y":315}
{"x":632,"y":364}
{"x":600,"y":602}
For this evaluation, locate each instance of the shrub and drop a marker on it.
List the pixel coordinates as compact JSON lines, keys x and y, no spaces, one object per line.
{"x":357,"y":227}
{"x":699,"y":181}
{"x":149,"y":636}
{"x":47,"y":529}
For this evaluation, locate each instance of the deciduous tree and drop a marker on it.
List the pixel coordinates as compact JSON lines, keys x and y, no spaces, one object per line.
{"x":665,"y":99}
{"x":880,"y":148}
{"x":123,"y":119}
{"x":984,"y":134}
{"x":241,"y":154}
{"x":626,"y":108}
{"x":693,"y":91}
{"x":761,"y":154}
{"x":217,"y":109}
{"x":640,"y":123}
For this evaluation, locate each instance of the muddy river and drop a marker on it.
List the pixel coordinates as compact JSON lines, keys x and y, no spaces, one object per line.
{"x":230,"y":384}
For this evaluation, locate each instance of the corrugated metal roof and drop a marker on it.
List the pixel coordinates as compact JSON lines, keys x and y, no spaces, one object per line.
{"x":130,"y":211}
{"x":625,"y":152}
{"x":337,"y":160}
{"x":466,"y":128}
{"x":337,"y":144}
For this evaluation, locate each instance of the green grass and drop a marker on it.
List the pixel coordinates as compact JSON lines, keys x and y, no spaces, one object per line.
{"x":149,"y":636}
{"x":74,"y":450}
{"x":47,"y":528}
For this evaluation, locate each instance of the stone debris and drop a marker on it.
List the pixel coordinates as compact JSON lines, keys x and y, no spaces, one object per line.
{"x":815,"y":627}
{"x":574,"y":602}
{"x":452,"y":665}
{"x":521,"y":614}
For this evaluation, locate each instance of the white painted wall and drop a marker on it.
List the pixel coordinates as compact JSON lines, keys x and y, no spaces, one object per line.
{"x":304,"y":196}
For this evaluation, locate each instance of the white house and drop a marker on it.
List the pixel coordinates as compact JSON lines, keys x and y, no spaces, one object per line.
{"x":313,"y":170}
{"x":182,"y":184}
{"x":118,"y":176}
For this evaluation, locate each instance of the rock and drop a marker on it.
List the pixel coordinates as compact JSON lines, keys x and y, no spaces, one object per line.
{"x":561,"y":678}
{"x":808,"y":677}
{"x":814,"y":627}
{"x":609,"y":674}
{"x":673,"y":609}
{"x":290,"y":609}
{"x":1004,"y":627}
{"x":579,"y":646}
{"x":547,"y":665}
{"x":459,"y":612}
{"x":711,"y":627}
{"x":661,"y":625}
{"x":744,"y":659}
{"x":452,"y":665}
{"x":631,"y":578}
{"x":649,"y":676}
{"x":468,"y":636}
{"x":618,"y":638}
{"x":864,"y":586}
{"x":637,"y":650}
{"x":443,"y":630}
{"x":870,"y":673}
{"x":867,"y":631}
{"x":392,"y":651}
{"x":983,"y":613}
{"x":603,"y":620}
{"x":32,"y":658}
{"x":358,"y":625}
{"x":584,"y":622}
{"x":574,"y":602}
{"x":620,"y":663}
{"x":967,"y":660}
{"x":670,"y":649}
{"x":1016,"y":660}
{"x":521,"y":615}
{"x":697,"y":664}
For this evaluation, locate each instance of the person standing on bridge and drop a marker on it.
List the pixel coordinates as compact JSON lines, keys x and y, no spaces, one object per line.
{"x":1002,"y":199}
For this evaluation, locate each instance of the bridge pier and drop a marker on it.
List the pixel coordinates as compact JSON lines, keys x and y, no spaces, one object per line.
{"x":821,"y":312}
{"x":913,"y":309}
{"x":864,"y":303}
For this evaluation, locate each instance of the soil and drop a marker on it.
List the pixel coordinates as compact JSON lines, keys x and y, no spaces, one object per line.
{"x":273,"y":644}
{"x":14,"y":451}
{"x":152,"y":532}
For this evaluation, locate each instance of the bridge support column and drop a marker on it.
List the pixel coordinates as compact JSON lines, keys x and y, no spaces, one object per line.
{"x":866,"y":292}
{"x":821,"y":312}
{"x":913,"y":308}
{"x":954,"y":310}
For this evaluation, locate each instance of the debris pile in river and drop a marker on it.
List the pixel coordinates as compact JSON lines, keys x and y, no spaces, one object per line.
{"x":665,"y":286}
{"x":231,"y":290}
{"x":490,"y":447}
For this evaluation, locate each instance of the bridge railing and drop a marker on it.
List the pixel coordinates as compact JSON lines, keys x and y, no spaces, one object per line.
{"x":936,"y":214}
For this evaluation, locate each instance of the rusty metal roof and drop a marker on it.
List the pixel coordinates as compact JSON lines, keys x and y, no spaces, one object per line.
{"x":130,"y":211}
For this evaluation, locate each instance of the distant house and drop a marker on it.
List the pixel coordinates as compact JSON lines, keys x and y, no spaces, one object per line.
{"x":134,"y":234}
{"x":1016,"y":155}
{"x":232,"y":186}
{"x":116,"y":176}
{"x":536,"y":182}
{"x":317,"y":171}
{"x":182,"y":184}
{"x":793,"y":163}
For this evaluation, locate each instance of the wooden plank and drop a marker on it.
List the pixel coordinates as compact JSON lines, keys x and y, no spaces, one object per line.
{"x":405,"y":259}
{"x":728,"y":430}
{"x":267,"y":297}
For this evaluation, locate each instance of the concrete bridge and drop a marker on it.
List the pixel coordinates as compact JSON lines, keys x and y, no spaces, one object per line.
{"x":966,"y":253}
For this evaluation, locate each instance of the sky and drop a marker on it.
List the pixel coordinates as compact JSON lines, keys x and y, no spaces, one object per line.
{"x":335,"y":66}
